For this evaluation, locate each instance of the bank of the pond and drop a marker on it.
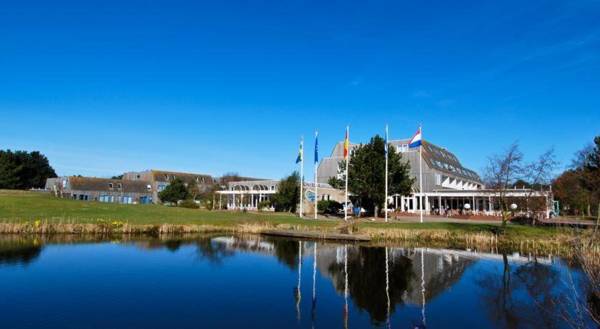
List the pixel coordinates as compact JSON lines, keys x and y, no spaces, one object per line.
{"x":513,"y":237}
{"x":40,"y":213}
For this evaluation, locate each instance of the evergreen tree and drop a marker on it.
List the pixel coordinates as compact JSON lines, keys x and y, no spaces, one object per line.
{"x":367,"y":174}
{"x":24,"y":170}
{"x":288,"y":193}
{"x":175,"y":191}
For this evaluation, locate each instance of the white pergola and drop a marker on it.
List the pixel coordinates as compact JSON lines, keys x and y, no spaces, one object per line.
{"x":247,"y":195}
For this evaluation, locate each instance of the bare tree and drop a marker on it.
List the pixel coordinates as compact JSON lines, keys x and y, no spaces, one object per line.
{"x":539,"y":174}
{"x":501,"y":172}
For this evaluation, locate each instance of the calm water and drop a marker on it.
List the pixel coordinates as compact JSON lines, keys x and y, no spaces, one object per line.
{"x":257,"y":282}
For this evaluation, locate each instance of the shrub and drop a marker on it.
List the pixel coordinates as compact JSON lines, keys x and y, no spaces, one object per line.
{"x":188,"y":204}
{"x":329,"y":207}
{"x":174,"y":192}
{"x":265,"y":204}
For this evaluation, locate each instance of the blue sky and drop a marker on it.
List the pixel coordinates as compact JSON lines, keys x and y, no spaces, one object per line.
{"x":103,"y":87}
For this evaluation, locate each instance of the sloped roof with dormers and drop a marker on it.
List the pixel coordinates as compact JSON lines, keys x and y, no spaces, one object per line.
{"x":434,"y":156}
{"x":105,"y":184}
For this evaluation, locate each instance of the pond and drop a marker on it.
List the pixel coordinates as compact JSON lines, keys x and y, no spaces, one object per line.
{"x":259,"y":282}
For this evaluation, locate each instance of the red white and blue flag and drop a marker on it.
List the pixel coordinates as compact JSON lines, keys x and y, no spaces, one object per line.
{"x":416,"y":140}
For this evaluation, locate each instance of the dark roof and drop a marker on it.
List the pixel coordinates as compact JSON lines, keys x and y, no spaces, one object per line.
{"x":445,"y":161}
{"x":104,"y":184}
{"x":167,"y":176}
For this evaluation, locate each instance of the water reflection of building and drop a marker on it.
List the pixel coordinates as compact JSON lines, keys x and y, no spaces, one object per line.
{"x":441,"y":271}
{"x":374,"y":280}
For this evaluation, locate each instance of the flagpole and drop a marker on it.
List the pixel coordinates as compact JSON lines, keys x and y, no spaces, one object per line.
{"x":301,"y":176}
{"x":386,"y":174}
{"x":421,"y":173}
{"x":316,"y":172}
{"x":347,"y":173}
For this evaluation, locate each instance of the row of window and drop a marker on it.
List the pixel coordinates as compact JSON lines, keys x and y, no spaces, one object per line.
{"x":460,"y":170}
{"x":116,"y":199}
{"x":119,"y":186}
{"x":442,"y":153}
{"x":112,"y":198}
{"x":439,"y":179}
{"x":402,"y":148}
{"x":255,"y":188}
{"x":199,"y":179}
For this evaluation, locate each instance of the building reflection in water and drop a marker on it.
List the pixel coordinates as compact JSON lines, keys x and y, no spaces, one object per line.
{"x":376,"y":280}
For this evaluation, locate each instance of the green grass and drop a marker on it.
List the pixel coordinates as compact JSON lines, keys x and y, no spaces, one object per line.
{"x":25,"y":206}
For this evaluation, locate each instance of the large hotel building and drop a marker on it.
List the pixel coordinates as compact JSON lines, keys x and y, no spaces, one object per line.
{"x":447,"y":184}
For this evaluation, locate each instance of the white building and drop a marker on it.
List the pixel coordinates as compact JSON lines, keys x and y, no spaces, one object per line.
{"x":248,"y":194}
{"x":448,"y":186}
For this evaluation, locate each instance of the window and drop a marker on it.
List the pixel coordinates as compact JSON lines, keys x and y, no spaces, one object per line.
{"x":402,"y":148}
{"x":110,"y":185}
{"x":119,"y":185}
{"x":438,"y":179}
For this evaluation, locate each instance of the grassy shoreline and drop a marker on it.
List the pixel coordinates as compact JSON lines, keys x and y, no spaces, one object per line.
{"x":23,"y":212}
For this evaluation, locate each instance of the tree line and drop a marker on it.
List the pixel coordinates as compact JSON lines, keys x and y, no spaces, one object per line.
{"x":24,"y":170}
{"x":578,"y":187}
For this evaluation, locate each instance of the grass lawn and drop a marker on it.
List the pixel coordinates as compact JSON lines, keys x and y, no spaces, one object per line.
{"x":25,"y":206}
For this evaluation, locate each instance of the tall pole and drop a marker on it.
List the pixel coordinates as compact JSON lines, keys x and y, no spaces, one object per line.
{"x":316,"y":172}
{"x":386,"y":174}
{"x":301,"y":177}
{"x":421,"y":173}
{"x":347,"y":155}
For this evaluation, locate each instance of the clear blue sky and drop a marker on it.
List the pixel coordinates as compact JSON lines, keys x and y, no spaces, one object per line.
{"x":102,"y":87}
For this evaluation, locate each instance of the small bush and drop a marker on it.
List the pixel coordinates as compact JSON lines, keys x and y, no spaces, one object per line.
{"x":189,"y":204}
{"x":265,"y":204}
{"x":329,"y":207}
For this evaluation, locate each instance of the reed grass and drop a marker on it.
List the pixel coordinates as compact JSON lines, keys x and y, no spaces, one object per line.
{"x":24,"y":212}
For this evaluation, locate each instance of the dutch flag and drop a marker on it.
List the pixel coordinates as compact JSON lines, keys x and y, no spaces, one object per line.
{"x":416,"y":140}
